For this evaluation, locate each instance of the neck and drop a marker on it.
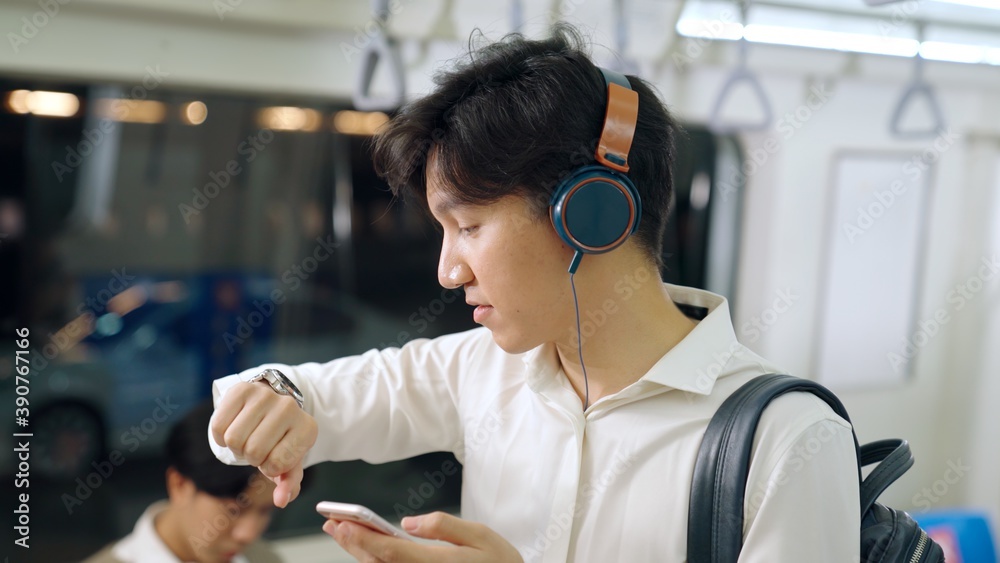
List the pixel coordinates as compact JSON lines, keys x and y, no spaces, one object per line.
{"x":167,"y":527}
{"x":630,"y":328}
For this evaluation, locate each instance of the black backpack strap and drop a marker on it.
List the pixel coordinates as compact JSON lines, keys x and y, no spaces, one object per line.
{"x":896,"y":459}
{"x":715,"y":514}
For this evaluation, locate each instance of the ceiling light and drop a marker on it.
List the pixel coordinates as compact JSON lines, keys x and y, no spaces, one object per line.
{"x":48,"y":104}
{"x":194,"y":113}
{"x":286,"y":118}
{"x":358,"y":122}
{"x":988,"y":4}
{"x":130,"y":111}
{"x":835,"y":40}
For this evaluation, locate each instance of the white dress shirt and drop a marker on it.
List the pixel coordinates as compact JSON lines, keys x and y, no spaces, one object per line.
{"x":144,"y":543}
{"x":609,"y":484}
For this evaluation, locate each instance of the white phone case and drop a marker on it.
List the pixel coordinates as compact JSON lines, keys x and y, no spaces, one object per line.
{"x":360,"y":515}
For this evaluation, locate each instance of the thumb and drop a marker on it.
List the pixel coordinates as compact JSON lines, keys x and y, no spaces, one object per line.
{"x":445,"y":527}
{"x":288,"y":486}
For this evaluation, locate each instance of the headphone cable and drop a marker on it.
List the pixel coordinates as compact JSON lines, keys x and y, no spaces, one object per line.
{"x":579,"y":341}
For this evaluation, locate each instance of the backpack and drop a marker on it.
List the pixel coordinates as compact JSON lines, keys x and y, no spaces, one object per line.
{"x":715,"y":516}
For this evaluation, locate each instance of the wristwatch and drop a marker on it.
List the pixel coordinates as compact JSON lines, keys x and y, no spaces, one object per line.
{"x":280,"y":383}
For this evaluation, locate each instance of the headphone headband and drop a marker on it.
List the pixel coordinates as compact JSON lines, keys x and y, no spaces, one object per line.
{"x":596,"y":207}
{"x":621,"y":115}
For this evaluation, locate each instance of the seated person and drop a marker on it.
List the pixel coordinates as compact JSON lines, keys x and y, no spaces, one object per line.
{"x":215,"y":512}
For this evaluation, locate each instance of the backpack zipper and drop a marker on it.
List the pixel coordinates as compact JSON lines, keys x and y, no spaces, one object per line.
{"x":919,"y":551}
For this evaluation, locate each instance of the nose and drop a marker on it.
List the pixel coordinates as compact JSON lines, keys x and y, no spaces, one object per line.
{"x":453,"y":271}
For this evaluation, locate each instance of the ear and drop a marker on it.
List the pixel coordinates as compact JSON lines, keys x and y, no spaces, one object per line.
{"x":180,"y":489}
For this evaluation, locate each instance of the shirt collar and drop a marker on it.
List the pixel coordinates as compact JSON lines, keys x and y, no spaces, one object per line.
{"x":145,"y":544}
{"x":692,"y":365}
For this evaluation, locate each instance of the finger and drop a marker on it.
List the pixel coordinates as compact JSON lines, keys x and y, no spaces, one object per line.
{"x":226,"y":410}
{"x":288,"y":452}
{"x":364,"y":544}
{"x":348,"y":539}
{"x":288,"y":486}
{"x":272,"y":427}
{"x":242,"y":427}
{"x":444,"y":526}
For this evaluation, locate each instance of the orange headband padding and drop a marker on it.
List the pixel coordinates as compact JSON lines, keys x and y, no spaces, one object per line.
{"x":619,"y":127}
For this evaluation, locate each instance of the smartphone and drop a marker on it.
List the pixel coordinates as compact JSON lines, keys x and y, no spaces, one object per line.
{"x":360,"y":515}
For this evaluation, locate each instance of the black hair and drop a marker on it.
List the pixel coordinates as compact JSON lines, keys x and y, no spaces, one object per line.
{"x":189,"y":453}
{"x":514,"y":119}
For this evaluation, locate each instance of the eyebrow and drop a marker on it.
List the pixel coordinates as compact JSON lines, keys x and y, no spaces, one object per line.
{"x":447,"y":204}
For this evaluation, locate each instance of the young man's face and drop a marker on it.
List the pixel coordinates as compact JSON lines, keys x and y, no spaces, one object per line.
{"x":217,"y":528}
{"x":507,"y":259}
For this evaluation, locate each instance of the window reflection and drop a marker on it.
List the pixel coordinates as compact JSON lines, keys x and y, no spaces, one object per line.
{"x":149,"y":265}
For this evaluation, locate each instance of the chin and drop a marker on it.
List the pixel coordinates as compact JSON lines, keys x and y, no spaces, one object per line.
{"x":513,"y":344}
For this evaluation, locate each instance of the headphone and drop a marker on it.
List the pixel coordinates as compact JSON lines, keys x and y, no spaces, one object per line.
{"x":596,"y":207}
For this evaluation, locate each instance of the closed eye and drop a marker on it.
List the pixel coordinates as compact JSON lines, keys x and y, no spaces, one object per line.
{"x":468,"y":230}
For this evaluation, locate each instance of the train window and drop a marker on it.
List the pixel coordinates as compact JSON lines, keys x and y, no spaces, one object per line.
{"x":159,"y":232}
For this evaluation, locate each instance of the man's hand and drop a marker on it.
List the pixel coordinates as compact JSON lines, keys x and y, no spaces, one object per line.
{"x":473,"y":543}
{"x":269,"y":431}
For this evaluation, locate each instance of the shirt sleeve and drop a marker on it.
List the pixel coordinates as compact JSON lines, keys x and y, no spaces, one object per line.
{"x":379,"y":406}
{"x":806,"y":507}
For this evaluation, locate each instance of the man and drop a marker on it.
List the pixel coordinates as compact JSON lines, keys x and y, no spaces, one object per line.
{"x":578,"y":439}
{"x":215,"y":512}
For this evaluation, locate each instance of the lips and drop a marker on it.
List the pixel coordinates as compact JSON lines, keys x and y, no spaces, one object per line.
{"x":481,"y":313}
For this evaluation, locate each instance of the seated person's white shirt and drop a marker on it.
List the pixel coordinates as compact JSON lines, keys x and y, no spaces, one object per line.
{"x":144,"y":543}
{"x":611,"y":484}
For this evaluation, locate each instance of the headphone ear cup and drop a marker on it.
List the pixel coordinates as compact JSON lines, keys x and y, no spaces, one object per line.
{"x":595,"y":210}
